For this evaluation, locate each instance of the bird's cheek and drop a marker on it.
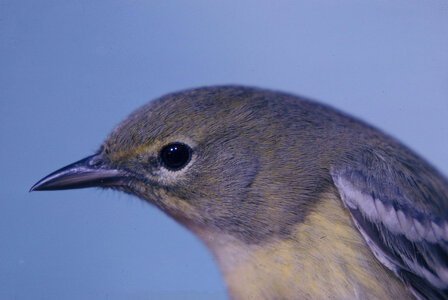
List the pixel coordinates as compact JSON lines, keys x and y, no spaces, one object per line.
{"x":183,"y":210}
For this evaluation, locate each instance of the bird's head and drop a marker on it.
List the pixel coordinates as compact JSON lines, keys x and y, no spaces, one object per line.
{"x":221,"y":159}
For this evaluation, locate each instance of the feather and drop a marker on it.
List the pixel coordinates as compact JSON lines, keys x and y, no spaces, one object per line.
{"x":408,"y":240}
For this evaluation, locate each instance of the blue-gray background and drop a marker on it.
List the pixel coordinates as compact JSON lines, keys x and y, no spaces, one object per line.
{"x":71,"y":70}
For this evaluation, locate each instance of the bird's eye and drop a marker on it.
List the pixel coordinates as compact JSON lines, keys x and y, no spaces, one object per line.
{"x":175,"y":156}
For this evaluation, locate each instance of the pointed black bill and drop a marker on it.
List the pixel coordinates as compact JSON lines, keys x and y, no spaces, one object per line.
{"x":88,"y":172}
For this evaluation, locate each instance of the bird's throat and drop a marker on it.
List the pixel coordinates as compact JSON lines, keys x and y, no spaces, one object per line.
{"x":325,"y":257}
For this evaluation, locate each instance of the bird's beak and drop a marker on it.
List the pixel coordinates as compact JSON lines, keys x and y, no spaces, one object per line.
{"x":88,"y":172}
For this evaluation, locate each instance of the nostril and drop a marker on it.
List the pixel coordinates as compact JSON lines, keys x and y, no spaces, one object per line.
{"x":96,"y":162}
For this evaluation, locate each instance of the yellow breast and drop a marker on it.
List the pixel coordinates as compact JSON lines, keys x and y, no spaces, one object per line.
{"x":325,"y":258}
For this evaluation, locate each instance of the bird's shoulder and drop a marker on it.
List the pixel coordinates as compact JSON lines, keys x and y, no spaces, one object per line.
{"x":399,"y":204}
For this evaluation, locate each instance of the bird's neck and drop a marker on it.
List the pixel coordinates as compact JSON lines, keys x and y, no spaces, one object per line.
{"x":325,"y":257}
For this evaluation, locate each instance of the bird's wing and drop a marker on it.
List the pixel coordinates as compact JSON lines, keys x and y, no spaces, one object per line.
{"x":411,"y":242}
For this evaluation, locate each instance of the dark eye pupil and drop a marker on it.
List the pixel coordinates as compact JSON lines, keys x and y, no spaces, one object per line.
{"x":175,"y":156}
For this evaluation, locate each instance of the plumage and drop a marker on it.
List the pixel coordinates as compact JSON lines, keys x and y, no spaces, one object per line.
{"x":295,"y":199}
{"x":407,"y":240}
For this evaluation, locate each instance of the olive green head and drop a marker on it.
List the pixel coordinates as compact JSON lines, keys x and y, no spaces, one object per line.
{"x":192,"y":154}
{"x":229,"y":159}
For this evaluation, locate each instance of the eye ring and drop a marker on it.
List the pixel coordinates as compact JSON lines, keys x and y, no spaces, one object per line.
{"x":175,"y":156}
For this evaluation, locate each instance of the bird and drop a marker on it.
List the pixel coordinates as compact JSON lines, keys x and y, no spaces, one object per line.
{"x":294,"y":199}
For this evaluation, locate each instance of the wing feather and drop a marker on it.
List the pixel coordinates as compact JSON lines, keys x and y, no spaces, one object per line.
{"x":409,"y":241}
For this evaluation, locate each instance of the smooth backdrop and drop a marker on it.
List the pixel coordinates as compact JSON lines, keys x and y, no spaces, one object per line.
{"x":71,"y":70}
